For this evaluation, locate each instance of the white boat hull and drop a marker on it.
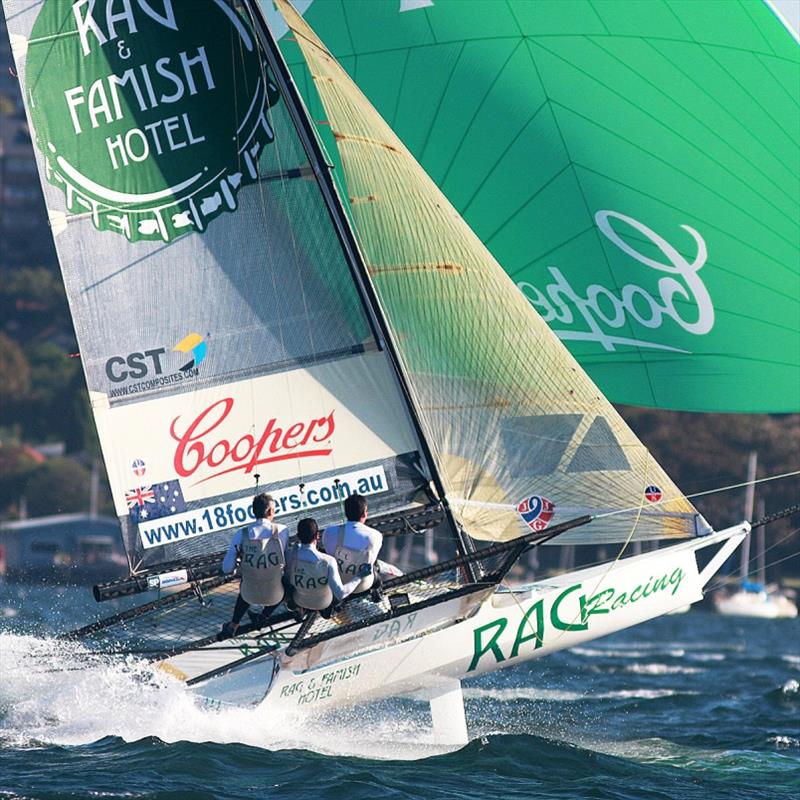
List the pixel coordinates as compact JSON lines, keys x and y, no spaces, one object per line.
{"x":508,"y":627}
{"x":756,"y":604}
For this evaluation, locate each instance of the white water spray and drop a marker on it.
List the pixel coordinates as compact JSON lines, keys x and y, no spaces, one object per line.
{"x":60,"y":693}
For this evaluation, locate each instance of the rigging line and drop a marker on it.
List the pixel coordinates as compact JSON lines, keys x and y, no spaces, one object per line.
{"x":780,"y":541}
{"x":650,"y":460}
{"x":723,"y":580}
{"x":702,"y":494}
{"x":721,"y":583}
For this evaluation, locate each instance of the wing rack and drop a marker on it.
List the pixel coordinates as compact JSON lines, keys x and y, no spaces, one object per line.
{"x":423,"y":589}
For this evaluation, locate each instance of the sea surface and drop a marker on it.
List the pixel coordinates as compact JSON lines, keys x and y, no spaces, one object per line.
{"x":687,"y":706}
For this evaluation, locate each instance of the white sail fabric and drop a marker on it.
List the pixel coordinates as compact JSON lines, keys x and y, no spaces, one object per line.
{"x":521,"y":436}
{"x":219,"y":325}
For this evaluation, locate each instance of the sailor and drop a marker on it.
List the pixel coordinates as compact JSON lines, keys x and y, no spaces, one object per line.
{"x":261,"y":548}
{"x":313,"y":576}
{"x":355,"y":546}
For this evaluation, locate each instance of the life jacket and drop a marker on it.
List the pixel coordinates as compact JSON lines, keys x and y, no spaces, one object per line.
{"x":309,"y":582}
{"x":262,"y":570}
{"x":353,"y":563}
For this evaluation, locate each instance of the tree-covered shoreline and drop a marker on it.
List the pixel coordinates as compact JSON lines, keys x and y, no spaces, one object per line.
{"x":45,"y":402}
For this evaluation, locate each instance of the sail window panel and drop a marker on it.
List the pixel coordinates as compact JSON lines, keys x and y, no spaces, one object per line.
{"x":599,"y":451}
{"x":537,"y":444}
{"x":477,"y":356}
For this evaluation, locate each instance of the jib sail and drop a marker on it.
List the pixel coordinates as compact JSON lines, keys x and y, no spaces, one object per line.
{"x":519,"y":433}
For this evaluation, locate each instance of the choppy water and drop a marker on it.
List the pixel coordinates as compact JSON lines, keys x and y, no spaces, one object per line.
{"x":689,"y":706}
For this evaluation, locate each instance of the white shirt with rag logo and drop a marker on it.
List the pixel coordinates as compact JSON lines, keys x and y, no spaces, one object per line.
{"x":261,"y":529}
{"x":357,"y":536}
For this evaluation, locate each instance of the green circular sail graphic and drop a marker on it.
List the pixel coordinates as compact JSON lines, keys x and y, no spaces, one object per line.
{"x":151,"y":114}
{"x":632,"y":165}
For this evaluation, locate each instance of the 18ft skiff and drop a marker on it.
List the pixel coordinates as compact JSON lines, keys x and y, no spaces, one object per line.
{"x":238,"y":323}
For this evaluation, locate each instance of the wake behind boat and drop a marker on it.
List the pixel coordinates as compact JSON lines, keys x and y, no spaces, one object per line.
{"x":280,"y":337}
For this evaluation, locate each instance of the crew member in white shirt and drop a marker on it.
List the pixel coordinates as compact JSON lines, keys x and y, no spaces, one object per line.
{"x":314,"y":576}
{"x":355,"y":546}
{"x":262,"y":550}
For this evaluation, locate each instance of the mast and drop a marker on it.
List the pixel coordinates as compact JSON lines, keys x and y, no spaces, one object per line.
{"x":752,"y":461}
{"x":349,"y":243}
{"x":761,"y":556}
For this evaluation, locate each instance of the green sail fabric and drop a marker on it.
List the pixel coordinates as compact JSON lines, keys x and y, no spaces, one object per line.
{"x":513,"y":422}
{"x":632,"y":164}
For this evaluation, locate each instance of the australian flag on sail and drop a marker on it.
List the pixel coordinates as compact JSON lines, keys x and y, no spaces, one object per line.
{"x":151,"y":502}
{"x":537,"y":512}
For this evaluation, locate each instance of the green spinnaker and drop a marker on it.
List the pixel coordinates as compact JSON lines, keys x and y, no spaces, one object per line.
{"x":633,"y":165}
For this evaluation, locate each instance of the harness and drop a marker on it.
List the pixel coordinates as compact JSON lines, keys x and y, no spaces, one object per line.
{"x":309,"y":582}
{"x":262,"y":567}
{"x":353,"y":563}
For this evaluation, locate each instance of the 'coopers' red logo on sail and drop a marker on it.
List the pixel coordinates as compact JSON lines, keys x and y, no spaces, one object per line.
{"x":203,"y":443}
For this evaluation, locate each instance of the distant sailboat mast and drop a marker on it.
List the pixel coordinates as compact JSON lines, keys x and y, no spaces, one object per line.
{"x":749,"y":501}
{"x":350,"y":246}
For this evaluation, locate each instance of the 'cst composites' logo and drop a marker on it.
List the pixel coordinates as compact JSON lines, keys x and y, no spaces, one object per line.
{"x":155,"y":367}
{"x":152,"y":114}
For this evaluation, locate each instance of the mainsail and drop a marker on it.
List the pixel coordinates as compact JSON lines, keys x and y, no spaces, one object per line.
{"x":518,"y":431}
{"x":631,"y":165}
{"x":221,"y":330}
